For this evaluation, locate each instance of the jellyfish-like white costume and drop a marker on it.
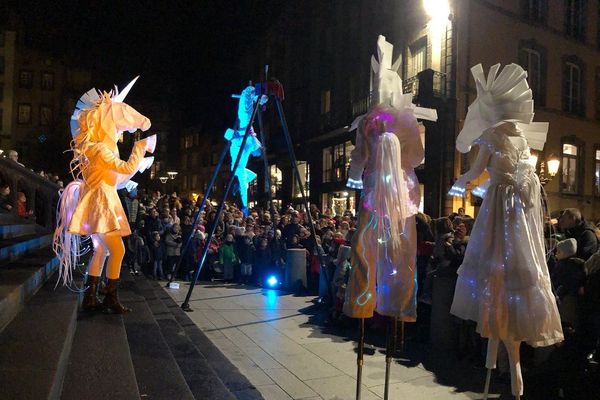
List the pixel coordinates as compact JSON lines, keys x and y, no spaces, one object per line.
{"x":388,"y":148}
{"x":503,"y":283}
{"x":251,"y":147}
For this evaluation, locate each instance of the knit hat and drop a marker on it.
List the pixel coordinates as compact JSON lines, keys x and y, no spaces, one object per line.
{"x":568,"y":247}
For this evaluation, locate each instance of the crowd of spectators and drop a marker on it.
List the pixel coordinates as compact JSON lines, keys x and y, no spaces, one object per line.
{"x":21,"y":207}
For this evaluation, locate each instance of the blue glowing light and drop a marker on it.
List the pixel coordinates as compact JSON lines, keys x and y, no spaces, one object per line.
{"x":272,"y":281}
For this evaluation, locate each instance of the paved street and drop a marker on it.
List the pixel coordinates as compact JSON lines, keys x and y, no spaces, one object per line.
{"x":276,"y":341}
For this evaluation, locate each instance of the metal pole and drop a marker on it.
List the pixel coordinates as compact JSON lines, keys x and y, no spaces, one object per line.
{"x":392,"y":328}
{"x":261,"y":131}
{"x":402,"y":336}
{"x":186,"y":305}
{"x":202,"y":205}
{"x":292,"y":155}
{"x":486,"y":388}
{"x":360,"y":357}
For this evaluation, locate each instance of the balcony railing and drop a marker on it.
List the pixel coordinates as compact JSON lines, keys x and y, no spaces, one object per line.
{"x":418,"y":84}
{"x":41,"y":194}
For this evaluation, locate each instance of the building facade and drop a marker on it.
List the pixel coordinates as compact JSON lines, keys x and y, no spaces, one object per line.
{"x":37,"y":96}
{"x":320,"y":51}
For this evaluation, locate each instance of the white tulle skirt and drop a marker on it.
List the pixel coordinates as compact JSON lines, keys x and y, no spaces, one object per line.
{"x":503,"y":283}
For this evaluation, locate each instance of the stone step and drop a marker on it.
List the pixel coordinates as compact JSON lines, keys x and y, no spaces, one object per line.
{"x":203,"y":365}
{"x":157,"y":373}
{"x":37,"y":343}
{"x":10,"y":231}
{"x":21,"y":279}
{"x":12,"y":249}
{"x":100,"y":365}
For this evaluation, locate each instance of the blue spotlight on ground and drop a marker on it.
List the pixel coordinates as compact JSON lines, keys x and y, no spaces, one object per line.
{"x":272,"y":281}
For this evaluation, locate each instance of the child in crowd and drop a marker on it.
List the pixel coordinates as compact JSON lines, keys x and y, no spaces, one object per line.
{"x":340,"y":280}
{"x":157,"y":250}
{"x":173,"y":242}
{"x":22,"y":206}
{"x":568,"y":276}
{"x":246,"y":252}
{"x":262,"y":261}
{"x":228,"y":258}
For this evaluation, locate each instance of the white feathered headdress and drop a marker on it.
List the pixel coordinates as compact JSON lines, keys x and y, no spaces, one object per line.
{"x":506,"y":97}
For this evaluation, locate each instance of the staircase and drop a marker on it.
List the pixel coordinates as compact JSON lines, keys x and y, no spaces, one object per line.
{"x":50,"y":350}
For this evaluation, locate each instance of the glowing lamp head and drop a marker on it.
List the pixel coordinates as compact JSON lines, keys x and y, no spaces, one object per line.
{"x":272,"y":281}
{"x":553,"y":163}
{"x":438,"y":10}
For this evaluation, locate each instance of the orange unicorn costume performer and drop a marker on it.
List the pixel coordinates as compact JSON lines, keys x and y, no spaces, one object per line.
{"x":90,"y":206}
{"x":388,"y":148}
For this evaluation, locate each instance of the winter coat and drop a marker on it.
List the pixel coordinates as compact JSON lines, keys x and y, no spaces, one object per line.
{"x":228,"y":255}
{"x":568,"y":276}
{"x":587,"y":241}
{"x":173,"y":244}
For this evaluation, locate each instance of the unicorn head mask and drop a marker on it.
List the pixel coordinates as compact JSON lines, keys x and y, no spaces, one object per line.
{"x":105,"y":116}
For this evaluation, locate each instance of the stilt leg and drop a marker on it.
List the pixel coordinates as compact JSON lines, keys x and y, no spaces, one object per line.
{"x":516,"y":379}
{"x":360,"y":357}
{"x":390,"y":348}
{"x":490,"y":364}
{"x":486,"y":388}
{"x":402,"y":336}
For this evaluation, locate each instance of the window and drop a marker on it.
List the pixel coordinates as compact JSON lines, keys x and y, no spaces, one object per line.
{"x":47,"y":81}
{"x":0,"y":120}
{"x":325,"y":101}
{"x":304,"y":170}
{"x":597,"y":103}
{"x":327,"y":164}
{"x":336,"y":161}
{"x":573,"y":86}
{"x":214,"y":157}
{"x":276,"y":180}
{"x":45,"y":115}
{"x":532,"y":58}
{"x":24,"y":113}
{"x":1,"y":93}
{"x":418,"y":59}
{"x":575,"y":13}
{"x":571,"y":154}
{"x":189,"y":141}
{"x":1,"y":64}
{"x":26,"y":79}
{"x":535,"y":10}
{"x":597,"y":171}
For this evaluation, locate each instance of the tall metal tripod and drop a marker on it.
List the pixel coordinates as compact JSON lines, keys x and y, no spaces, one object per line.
{"x":274,"y":90}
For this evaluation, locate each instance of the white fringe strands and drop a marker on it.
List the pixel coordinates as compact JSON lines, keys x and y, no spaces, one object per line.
{"x":68,"y":247}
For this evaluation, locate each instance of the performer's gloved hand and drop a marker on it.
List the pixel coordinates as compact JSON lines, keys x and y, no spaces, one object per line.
{"x":150,"y":143}
{"x":458,"y":189}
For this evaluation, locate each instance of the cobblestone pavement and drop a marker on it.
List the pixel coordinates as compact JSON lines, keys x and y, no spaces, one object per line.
{"x":281,"y":343}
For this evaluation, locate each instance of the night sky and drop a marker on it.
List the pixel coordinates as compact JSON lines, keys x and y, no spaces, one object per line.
{"x":186,"y":51}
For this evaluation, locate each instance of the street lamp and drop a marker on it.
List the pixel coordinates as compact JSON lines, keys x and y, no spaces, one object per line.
{"x":438,"y":10}
{"x":552,"y":163}
{"x":163,"y":179}
{"x":172,"y":174}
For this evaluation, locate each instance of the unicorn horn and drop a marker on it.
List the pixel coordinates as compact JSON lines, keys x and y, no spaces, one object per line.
{"x":120,"y":97}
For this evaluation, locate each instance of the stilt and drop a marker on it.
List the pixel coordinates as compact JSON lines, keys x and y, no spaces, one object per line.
{"x":402,"y":336}
{"x":490,"y":364}
{"x":360,"y":357}
{"x":389,"y":353}
{"x":486,"y":389}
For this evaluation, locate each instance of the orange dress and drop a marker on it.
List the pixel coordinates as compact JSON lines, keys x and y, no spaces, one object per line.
{"x":99,"y":209}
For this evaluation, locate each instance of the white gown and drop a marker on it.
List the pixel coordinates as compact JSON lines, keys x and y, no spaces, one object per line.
{"x":503,"y":283}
